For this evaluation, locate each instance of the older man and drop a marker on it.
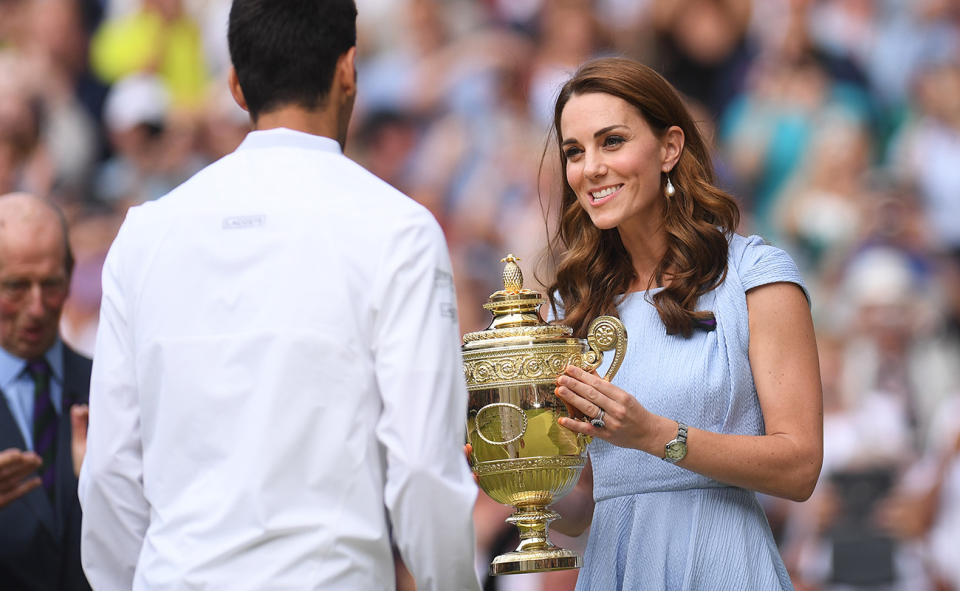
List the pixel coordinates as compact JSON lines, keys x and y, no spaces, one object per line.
{"x":43,"y":382}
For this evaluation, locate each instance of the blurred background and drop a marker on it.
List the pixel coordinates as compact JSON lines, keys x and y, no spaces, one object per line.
{"x":836,"y":123}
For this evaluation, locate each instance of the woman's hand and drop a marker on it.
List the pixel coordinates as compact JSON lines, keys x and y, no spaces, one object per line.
{"x":626,"y":422}
{"x":468,"y":451}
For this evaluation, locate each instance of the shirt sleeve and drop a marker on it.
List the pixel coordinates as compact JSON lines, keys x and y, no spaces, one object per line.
{"x":429,"y":492}
{"x":115,"y":512}
{"x":761,"y":264}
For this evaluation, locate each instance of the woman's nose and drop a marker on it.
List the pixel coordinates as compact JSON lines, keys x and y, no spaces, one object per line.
{"x":594,"y":165}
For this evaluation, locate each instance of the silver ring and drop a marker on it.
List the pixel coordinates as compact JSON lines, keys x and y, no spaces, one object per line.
{"x":597,"y":421}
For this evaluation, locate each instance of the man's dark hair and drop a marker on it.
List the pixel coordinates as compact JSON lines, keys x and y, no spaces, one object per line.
{"x":285,"y":51}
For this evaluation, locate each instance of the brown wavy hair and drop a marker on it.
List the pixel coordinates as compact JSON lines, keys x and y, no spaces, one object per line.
{"x":593,"y":270}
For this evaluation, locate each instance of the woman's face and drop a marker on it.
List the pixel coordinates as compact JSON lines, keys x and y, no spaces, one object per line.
{"x":614,"y":161}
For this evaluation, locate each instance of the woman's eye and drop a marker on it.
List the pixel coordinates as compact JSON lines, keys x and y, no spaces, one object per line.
{"x":571,"y":152}
{"x":612,"y":140}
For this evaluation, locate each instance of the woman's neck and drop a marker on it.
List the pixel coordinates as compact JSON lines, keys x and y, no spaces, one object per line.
{"x":646,"y":249}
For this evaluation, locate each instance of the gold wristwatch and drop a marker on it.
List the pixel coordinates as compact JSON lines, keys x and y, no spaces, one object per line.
{"x":676,"y":449}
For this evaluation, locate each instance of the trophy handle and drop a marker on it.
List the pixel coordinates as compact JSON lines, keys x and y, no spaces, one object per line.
{"x":603,"y":334}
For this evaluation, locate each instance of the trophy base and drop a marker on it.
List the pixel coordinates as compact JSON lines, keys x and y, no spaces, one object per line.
{"x":535,"y":561}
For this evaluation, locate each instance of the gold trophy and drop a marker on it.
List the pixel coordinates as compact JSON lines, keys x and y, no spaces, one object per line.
{"x":521,"y":455}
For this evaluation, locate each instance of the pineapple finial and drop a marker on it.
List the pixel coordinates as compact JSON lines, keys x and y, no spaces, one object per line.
{"x":512,"y":277}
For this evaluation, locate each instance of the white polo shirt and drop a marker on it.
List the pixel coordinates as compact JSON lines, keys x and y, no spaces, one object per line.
{"x":277,"y":384}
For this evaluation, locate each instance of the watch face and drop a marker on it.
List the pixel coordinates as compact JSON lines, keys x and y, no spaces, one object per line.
{"x":675,"y":450}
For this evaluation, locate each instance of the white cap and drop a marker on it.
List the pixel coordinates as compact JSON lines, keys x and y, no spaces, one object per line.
{"x":880,"y":275}
{"x":136,"y":99}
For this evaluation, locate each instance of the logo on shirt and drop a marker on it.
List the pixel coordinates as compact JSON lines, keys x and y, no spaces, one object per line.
{"x":448,"y":311}
{"x":443,"y":286}
{"x":244,"y":222}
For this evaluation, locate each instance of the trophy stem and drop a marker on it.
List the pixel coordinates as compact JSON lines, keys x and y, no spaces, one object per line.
{"x":535,"y":553}
{"x":533,"y":525}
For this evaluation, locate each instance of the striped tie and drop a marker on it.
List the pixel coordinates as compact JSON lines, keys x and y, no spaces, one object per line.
{"x":44,"y":423}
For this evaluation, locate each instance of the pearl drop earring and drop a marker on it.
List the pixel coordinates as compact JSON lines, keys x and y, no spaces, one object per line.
{"x":669,"y":190}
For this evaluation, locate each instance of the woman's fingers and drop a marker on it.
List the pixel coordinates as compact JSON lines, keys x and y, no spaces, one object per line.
{"x":572,"y":411}
{"x":596,"y":398}
{"x":581,"y":404}
{"x":579,"y":426}
{"x":590,"y":378}
{"x":581,"y":391}
{"x":468,"y":451}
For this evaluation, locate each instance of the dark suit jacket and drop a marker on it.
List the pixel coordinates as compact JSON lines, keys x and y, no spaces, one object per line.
{"x":40,"y":541}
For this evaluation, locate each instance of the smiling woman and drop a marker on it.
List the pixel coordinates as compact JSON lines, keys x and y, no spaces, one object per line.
{"x":625,"y":138}
{"x":721,"y":376}
{"x":616,"y":171}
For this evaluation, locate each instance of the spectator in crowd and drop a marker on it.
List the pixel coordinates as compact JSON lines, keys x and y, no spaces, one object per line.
{"x":703,"y":48}
{"x":69,"y":97}
{"x":25,"y":163}
{"x":161,"y":38}
{"x":926,"y":150}
{"x":884,"y":389}
{"x":152,"y":144}
{"x":45,"y":386}
{"x":823,"y":209}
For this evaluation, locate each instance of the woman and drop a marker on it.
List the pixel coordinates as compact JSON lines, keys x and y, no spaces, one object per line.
{"x":721,"y":375}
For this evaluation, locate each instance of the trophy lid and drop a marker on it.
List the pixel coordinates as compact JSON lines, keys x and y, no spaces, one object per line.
{"x":516,"y":311}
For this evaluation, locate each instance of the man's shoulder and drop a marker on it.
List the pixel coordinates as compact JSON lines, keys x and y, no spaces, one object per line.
{"x":76,"y":358}
{"x":223,"y":174}
{"x":158,"y":215}
{"x":192,"y":191}
{"x":384,"y":199}
{"x":383,"y":208}
{"x":76,"y":372}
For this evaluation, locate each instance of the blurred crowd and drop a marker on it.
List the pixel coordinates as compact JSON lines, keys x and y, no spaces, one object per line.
{"x":836,"y":123}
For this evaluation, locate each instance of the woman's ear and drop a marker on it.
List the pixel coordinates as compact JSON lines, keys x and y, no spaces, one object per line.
{"x":671,"y":148}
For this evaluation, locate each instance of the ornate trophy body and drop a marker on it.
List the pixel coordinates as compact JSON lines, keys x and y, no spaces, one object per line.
{"x":521,"y":455}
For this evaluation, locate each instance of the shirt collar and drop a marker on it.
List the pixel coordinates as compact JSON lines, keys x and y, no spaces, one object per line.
{"x":281,"y":137}
{"x":12,"y":366}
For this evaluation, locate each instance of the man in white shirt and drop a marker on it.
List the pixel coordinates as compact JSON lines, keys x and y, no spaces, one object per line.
{"x":277,"y":385}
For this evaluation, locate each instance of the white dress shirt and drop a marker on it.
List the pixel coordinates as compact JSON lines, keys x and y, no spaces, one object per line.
{"x":277,"y":385}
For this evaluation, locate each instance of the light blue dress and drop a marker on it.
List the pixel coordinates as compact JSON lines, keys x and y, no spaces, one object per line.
{"x":657,"y":526}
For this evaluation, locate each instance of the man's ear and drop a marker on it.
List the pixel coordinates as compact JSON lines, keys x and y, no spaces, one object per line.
{"x":234,"y":83}
{"x":346,"y":73}
{"x":672,"y":147}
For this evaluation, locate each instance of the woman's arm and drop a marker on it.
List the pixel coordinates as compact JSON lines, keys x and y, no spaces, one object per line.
{"x":784,"y":462}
